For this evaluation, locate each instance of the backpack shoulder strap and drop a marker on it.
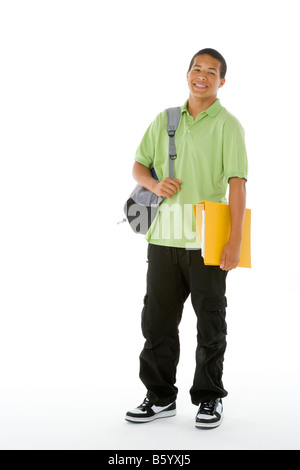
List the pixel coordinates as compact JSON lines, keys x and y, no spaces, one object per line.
{"x":174,"y":115}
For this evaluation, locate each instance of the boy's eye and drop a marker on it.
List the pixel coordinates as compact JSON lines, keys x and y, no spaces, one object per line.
{"x":199,"y":70}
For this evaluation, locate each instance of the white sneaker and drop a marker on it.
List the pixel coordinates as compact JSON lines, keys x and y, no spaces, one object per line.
{"x":210,"y":414}
{"x":148,"y":412}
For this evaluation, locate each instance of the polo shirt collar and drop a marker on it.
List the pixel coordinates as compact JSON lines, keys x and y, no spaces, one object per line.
{"x":212,"y":111}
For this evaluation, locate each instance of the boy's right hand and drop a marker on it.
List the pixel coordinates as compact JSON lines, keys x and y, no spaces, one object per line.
{"x":167,"y":187}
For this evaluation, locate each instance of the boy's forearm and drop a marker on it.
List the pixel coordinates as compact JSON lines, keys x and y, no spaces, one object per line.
{"x":143,"y":176}
{"x":166,"y":188}
{"x":237,"y":205}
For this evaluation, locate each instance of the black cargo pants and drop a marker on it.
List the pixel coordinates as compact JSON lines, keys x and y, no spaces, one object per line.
{"x":173,"y":274}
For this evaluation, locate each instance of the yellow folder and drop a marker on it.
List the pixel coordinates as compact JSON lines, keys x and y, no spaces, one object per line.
{"x":213,"y":224}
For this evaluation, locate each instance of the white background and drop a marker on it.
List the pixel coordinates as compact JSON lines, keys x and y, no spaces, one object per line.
{"x":80,"y":83}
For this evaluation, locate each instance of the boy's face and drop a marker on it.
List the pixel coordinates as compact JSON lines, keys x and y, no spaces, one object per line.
{"x":204,"y":78}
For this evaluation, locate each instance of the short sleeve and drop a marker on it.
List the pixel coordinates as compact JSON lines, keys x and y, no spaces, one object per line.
{"x":235,"y":162}
{"x":146,"y":150}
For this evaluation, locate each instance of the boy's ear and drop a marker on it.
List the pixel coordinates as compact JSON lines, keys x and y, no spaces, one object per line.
{"x":222,"y":82}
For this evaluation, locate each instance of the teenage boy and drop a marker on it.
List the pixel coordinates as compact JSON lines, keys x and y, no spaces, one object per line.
{"x":210,"y":154}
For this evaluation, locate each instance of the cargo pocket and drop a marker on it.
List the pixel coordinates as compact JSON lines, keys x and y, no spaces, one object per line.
{"x":215,"y":303}
{"x":214,"y":325}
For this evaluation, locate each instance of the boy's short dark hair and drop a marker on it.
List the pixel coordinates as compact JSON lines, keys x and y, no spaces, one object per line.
{"x":216,"y":55}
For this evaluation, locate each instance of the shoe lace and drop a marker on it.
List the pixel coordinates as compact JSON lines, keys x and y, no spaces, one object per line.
{"x":146,"y":403}
{"x":208,"y":407}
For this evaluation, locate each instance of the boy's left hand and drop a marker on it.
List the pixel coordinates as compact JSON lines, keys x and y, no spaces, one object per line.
{"x":230,"y":256}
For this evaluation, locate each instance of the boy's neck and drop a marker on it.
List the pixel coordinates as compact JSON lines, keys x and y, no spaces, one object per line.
{"x":196,"y":106}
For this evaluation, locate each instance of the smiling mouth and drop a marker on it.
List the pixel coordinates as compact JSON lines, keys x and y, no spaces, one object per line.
{"x":200,"y":86}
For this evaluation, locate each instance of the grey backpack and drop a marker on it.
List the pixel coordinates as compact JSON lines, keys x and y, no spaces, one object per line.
{"x":142,"y":205}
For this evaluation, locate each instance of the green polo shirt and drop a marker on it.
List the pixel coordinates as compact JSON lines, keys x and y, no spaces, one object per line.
{"x":210,"y":150}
